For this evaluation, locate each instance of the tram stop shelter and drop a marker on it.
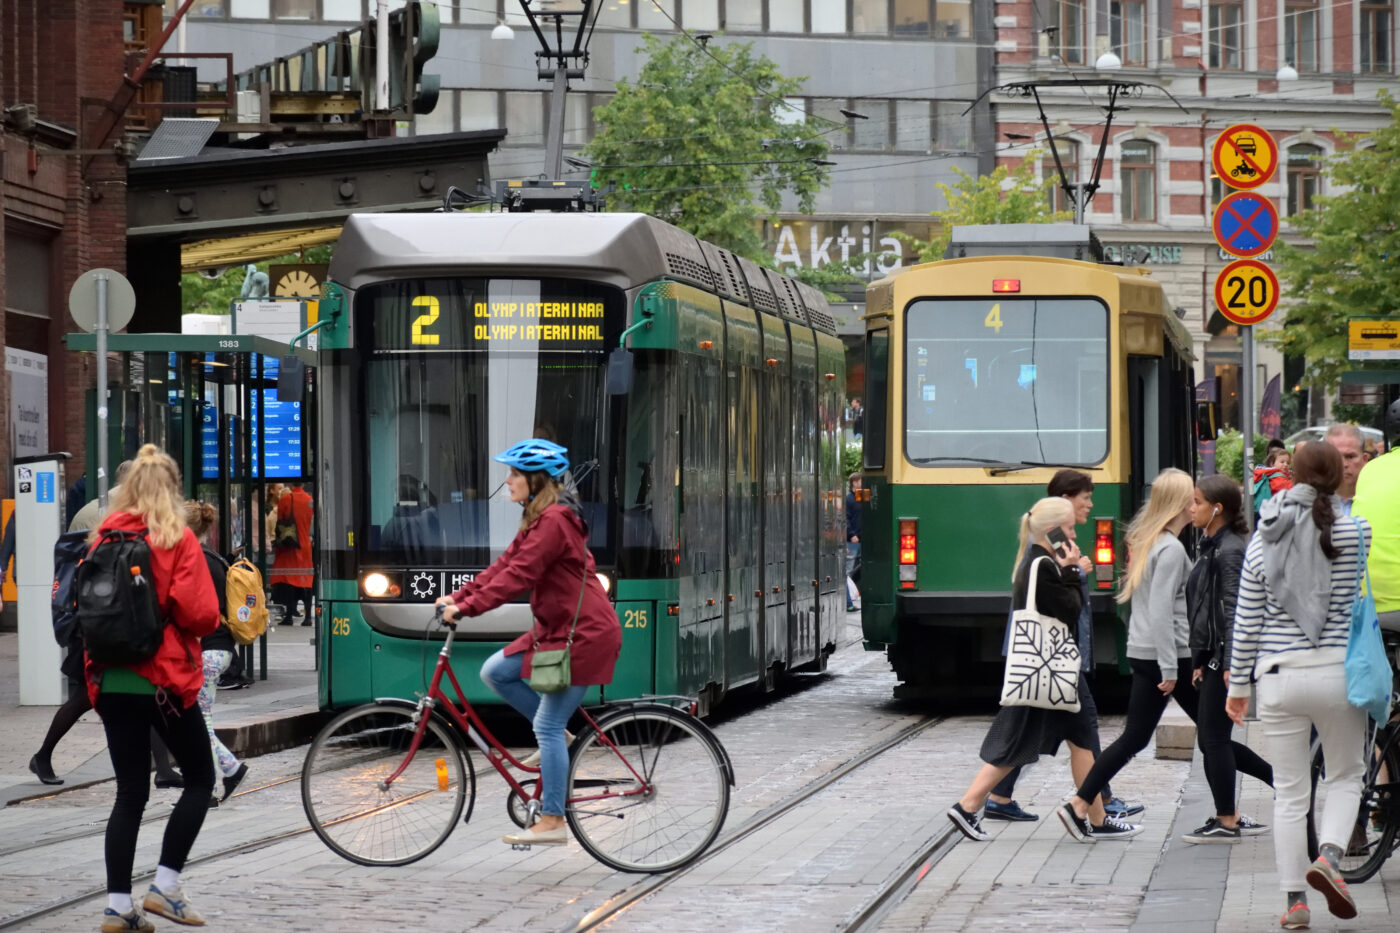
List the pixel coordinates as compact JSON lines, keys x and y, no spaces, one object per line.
{"x":224,"y":408}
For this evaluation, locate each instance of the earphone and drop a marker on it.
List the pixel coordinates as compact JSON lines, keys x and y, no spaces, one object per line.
{"x":1215,"y":511}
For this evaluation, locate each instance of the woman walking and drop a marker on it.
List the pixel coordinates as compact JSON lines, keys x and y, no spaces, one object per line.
{"x":549,"y":558}
{"x":216,"y":649}
{"x":1211,"y":591}
{"x":1291,"y":627}
{"x":159,"y":693}
{"x":1021,"y":734}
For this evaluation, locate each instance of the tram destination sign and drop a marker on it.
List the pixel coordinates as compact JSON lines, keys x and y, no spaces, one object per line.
{"x":1373,"y":340}
{"x":430,"y":323}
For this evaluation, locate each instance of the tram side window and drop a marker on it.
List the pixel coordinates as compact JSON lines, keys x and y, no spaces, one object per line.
{"x":1006,"y":381}
{"x":877,"y":407}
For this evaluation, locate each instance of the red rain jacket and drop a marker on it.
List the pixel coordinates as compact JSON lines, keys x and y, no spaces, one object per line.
{"x":550,"y":559}
{"x":190,"y":606}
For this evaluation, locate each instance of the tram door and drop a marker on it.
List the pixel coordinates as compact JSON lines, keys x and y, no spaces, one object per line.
{"x":743,"y":643}
{"x":700,"y":651}
{"x":776,"y":443}
{"x":803,"y":539}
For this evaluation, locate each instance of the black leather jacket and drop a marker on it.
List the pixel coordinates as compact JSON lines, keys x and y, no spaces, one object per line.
{"x":1211,"y":590}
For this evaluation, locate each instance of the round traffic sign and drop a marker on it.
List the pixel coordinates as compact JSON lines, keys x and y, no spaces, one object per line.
{"x":1245,"y":224}
{"x":121,"y":300}
{"x":1245,"y":156}
{"x":1246,"y":291}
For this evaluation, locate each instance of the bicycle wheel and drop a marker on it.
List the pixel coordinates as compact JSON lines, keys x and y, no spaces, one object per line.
{"x":1374,"y":834}
{"x":343,"y":792}
{"x":658,"y":800}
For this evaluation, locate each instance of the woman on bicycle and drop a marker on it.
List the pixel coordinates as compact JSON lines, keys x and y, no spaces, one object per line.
{"x":1291,"y":627}
{"x":549,"y":559}
{"x":160,"y":694}
{"x":1211,"y":590}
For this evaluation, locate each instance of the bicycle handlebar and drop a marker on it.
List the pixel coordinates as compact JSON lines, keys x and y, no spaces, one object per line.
{"x":441,"y":620}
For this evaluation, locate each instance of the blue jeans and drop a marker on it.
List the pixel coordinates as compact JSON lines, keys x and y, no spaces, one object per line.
{"x":548,"y":712}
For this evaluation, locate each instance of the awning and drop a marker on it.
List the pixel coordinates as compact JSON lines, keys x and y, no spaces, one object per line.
{"x":253,"y":247}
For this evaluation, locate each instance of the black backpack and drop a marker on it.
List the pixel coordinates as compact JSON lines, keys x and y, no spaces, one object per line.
{"x":68,"y":553}
{"x":117,"y":607}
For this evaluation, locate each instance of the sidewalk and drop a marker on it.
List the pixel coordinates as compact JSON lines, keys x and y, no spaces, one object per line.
{"x":269,"y":715}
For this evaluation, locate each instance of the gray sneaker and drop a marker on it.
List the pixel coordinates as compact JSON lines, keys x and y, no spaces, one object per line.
{"x":1322,"y":876}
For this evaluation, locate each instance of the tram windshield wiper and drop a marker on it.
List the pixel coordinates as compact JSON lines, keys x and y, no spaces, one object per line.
{"x":921,"y":461}
{"x":1005,"y":468}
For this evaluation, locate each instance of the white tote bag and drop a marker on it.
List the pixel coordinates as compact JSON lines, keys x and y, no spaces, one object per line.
{"x":1042,"y":661}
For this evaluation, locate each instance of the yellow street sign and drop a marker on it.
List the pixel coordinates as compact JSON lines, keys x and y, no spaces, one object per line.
{"x":1245,"y":156}
{"x":1373,"y":340}
{"x":1246,"y":291}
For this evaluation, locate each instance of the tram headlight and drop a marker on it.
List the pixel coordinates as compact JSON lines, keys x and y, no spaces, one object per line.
{"x":377,"y":585}
{"x":606,"y":582}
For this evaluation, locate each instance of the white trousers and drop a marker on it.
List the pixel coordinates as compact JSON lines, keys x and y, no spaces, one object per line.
{"x":1293,"y":701}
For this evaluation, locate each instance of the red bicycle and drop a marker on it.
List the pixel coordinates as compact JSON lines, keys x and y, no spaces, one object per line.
{"x":385,"y":783}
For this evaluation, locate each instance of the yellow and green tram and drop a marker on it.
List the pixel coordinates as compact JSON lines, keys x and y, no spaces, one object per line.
{"x":710,"y":478}
{"x":984,"y":375}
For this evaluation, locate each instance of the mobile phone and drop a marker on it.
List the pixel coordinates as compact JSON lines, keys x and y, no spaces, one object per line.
{"x":1058,"y":540}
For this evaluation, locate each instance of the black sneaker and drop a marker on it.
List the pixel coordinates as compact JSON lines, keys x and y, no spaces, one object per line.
{"x":1011,"y":812}
{"x":1212,"y":831}
{"x":1250,"y":827}
{"x":1075,"y":825}
{"x":1114,"y":829}
{"x":233,"y":780}
{"x":968,"y":823}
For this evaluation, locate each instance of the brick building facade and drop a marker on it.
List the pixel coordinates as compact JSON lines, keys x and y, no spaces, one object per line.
{"x":63,"y":212}
{"x":1221,"y":61}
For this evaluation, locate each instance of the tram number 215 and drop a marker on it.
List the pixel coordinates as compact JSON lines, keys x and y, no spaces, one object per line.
{"x":634,"y":618}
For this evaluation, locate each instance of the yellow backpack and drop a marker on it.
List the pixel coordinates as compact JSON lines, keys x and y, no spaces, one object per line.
{"x":247,"y":605}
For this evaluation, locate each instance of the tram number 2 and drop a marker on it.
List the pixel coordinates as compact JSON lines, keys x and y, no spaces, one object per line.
{"x":340,"y":626}
{"x":419,"y":338}
{"x":634,"y":618}
{"x":1258,"y":294}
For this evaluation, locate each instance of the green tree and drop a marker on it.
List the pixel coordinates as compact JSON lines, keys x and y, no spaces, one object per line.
{"x":703,"y":140}
{"x":989,"y":199}
{"x":1352,"y":267}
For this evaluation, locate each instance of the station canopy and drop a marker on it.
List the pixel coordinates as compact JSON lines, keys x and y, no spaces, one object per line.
{"x":222,"y":252}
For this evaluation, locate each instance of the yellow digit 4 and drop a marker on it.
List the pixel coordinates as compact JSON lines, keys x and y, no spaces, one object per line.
{"x":993,"y":319}
{"x":424,"y":320}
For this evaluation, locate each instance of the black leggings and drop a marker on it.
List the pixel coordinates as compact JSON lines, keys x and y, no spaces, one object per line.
{"x":1145,"y":707}
{"x":128,"y":720}
{"x":1221,"y":755}
{"x":64,"y":717}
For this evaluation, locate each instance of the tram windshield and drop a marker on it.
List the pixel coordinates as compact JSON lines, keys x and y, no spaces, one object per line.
{"x":457,"y":370}
{"x":1007,"y":380}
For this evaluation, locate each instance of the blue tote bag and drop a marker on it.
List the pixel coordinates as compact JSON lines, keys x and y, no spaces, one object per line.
{"x":1368,"y":669}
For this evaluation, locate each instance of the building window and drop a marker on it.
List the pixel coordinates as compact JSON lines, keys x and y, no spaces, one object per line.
{"x":249,"y":9}
{"x":913,"y":127}
{"x":870,"y":17}
{"x":524,"y":118}
{"x":1300,"y":34}
{"x":836,"y":127}
{"x":743,"y":17}
{"x":657,"y":15}
{"x":701,"y":14}
{"x":1128,"y":30}
{"x":828,"y":16}
{"x":1138,"y":166}
{"x":785,"y":16}
{"x":349,"y":11}
{"x":1377,"y":25}
{"x":1067,"y":28}
{"x":478,"y":110}
{"x":911,"y":18}
{"x":1304,"y":177}
{"x":294,"y":9}
{"x":953,"y":129}
{"x":1226,"y":35}
{"x":953,"y":19}
{"x":1068,"y":151}
{"x":872,"y":133}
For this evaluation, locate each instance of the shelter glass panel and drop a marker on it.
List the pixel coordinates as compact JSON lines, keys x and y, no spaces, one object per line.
{"x":1006,"y":381}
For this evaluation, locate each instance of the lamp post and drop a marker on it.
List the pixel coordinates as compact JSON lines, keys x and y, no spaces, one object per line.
{"x":564,"y":28}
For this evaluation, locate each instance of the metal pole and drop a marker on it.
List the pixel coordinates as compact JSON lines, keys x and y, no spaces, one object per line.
{"x":102,"y":392}
{"x":1247,"y":415}
{"x":554,"y":143}
{"x":381,"y":56}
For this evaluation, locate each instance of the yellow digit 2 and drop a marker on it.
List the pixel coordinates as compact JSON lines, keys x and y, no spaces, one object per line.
{"x":993,"y":319}
{"x":423,"y":320}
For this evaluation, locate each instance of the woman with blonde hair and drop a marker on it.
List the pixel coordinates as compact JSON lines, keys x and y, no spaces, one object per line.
{"x":550,"y":560}
{"x":216,"y":648}
{"x":159,"y":693}
{"x":1021,"y":734}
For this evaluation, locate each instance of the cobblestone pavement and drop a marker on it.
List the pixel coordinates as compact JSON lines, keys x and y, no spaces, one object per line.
{"x":811,"y":869}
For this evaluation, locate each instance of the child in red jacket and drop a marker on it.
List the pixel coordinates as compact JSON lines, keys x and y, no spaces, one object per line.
{"x":1276,"y":472}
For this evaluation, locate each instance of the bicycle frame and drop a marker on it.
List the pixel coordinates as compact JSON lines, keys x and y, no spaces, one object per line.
{"x":471,"y":725}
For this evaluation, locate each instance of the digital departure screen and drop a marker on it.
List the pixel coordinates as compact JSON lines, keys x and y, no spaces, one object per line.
{"x":437,"y":315}
{"x":281,"y":437}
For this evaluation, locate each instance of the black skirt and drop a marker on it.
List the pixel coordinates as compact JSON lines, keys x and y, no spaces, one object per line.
{"x":1021,"y":734}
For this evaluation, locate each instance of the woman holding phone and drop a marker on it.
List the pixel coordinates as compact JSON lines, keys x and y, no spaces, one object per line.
{"x":1021,"y":734}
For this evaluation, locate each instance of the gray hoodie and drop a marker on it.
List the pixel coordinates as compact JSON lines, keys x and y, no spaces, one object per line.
{"x":1159,"y":628}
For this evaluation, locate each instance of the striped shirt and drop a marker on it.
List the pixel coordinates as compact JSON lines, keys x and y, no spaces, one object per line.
{"x":1263,"y":629}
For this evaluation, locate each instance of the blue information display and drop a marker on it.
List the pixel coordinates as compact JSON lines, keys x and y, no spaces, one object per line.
{"x":281,"y":439}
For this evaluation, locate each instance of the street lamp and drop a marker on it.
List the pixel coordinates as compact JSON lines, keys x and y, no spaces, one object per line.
{"x":564,"y":28}
{"x":1287,"y":72}
{"x":502,"y":31}
{"x":1108,"y":61}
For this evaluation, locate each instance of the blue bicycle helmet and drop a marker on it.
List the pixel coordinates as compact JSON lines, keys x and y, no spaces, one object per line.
{"x":535,"y":454}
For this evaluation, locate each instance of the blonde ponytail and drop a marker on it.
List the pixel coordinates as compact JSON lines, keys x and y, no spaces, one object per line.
{"x":1171,"y":494}
{"x":151,"y":489}
{"x":1047,"y":513}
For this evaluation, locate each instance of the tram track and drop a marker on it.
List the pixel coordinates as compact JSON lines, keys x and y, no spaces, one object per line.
{"x":625,"y":900}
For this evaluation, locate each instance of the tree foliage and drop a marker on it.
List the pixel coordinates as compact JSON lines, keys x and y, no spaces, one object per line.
{"x":1352,"y":267}
{"x":703,"y":140}
{"x":1006,"y":196}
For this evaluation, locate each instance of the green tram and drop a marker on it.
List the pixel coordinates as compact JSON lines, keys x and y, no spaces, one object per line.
{"x":984,"y":375}
{"x":708,"y":462}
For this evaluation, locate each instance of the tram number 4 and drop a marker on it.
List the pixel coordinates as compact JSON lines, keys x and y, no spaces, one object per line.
{"x":1258,"y":292}
{"x":425,"y":320}
{"x":993,"y":318}
{"x":634,"y":618}
{"x":340,"y":626}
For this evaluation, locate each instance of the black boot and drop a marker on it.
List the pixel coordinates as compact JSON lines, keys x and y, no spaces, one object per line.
{"x":43,"y":769}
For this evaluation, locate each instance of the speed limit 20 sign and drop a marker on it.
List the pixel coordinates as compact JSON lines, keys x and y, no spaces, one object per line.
{"x":1246,"y":292}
